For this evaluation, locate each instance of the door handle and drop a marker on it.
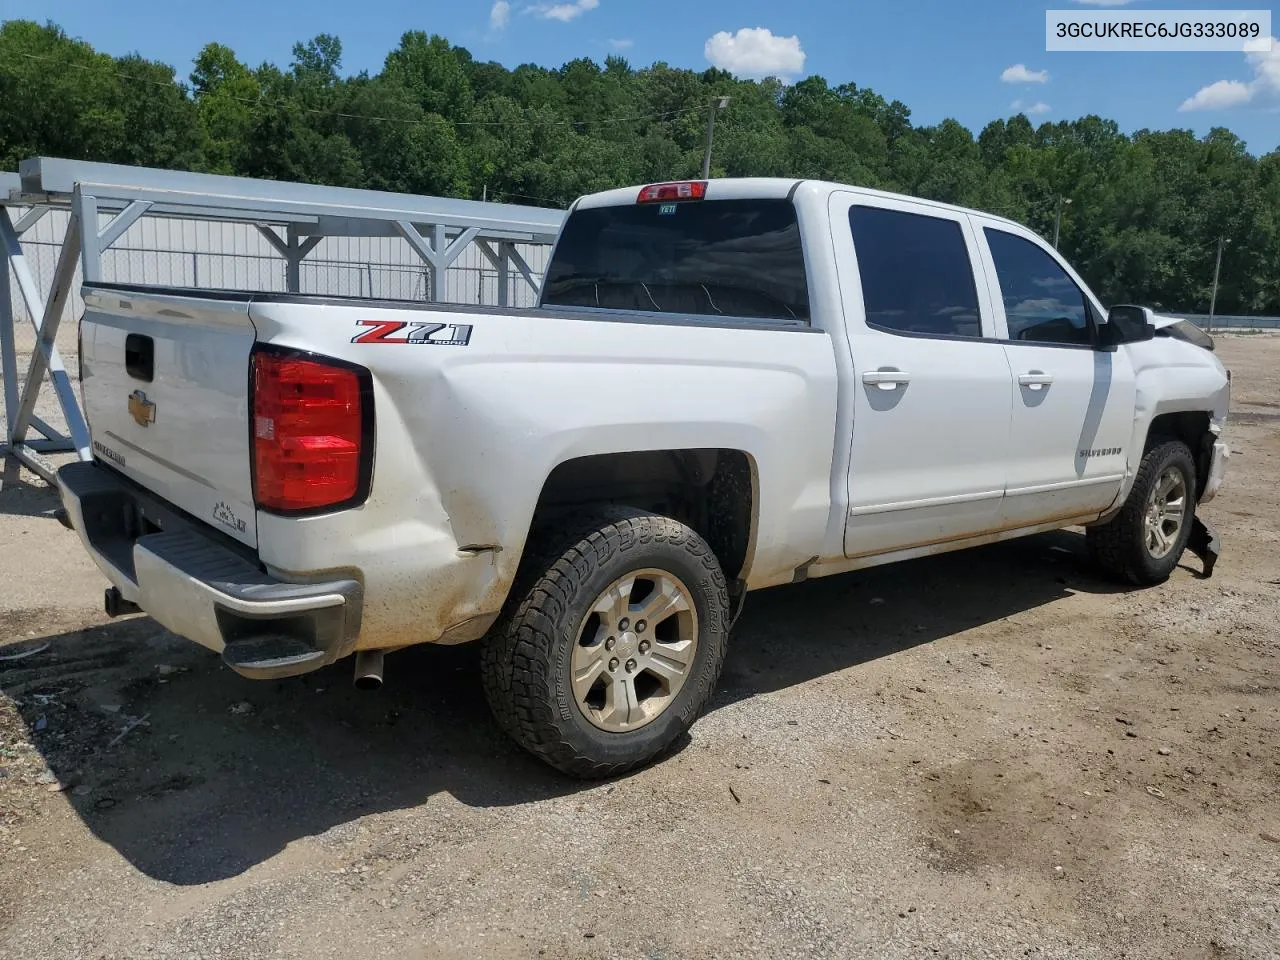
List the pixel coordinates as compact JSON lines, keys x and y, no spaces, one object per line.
{"x":886,"y":379}
{"x":1036,"y":380}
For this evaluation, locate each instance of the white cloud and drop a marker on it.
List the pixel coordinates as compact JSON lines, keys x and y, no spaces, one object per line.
{"x":622,"y":44}
{"x":1264,"y":88}
{"x":499,"y":15}
{"x":1218,"y":96}
{"x":1019,"y":73}
{"x":755,"y":52}
{"x":1030,"y":109}
{"x":564,"y":12}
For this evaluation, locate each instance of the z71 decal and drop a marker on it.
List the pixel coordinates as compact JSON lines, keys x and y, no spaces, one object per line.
{"x":430,"y":334}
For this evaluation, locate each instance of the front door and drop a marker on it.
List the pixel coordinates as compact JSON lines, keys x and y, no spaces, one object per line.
{"x":932,"y":404}
{"x":1072,"y":402}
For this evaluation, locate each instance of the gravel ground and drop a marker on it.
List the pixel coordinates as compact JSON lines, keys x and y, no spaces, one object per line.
{"x":988,"y":754}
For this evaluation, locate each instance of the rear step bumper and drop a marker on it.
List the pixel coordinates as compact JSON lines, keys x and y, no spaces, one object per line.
{"x":204,"y":587}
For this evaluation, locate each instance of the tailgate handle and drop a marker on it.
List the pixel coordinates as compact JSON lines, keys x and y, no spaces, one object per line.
{"x":140,"y":357}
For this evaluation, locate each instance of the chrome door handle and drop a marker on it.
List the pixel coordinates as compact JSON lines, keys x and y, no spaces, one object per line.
{"x":1036,"y":380}
{"x":886,"y":379}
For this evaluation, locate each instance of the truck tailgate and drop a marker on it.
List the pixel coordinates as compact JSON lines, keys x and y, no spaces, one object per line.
{"x":166,"y":393}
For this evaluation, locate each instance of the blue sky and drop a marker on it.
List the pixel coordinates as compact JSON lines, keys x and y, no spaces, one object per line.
{"x":974,"y":61}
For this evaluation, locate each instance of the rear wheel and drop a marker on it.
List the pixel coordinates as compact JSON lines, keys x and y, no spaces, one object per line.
{"x":612,"y":644}
{"x":1143,"y":543}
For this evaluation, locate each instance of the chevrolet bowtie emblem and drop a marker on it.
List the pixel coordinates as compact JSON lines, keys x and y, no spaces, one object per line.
{"x":141,"y":409}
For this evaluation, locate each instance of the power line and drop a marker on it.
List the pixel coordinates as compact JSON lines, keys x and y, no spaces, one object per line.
{"x":524,"y":196}
{"x":410,"y":121}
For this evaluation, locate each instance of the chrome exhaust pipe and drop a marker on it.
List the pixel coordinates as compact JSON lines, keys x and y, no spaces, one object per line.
{"x":368,"y":670}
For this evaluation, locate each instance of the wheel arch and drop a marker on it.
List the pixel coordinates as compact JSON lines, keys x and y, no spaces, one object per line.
{"x":713,"y":490}
{"x":1192,"y":427}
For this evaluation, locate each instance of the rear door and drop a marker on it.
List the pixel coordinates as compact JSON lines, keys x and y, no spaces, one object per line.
{"x":932,"y":404}
{"x":1073,"y":402}
{"x":165,"y":384}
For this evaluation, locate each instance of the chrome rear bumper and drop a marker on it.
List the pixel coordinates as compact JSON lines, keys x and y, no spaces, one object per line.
{"x":202,"y":586}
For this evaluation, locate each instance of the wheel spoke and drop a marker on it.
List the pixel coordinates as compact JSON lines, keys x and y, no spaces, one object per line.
{"x":615,"y":603}
{"x":667,"y":598}
{"x":588,"y":664}
{"x":672,"y":668}
{"x":679,"y":653}
{"x":620,"y":704}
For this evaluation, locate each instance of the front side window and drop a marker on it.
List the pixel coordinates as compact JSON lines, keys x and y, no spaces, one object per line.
{"x":916,"y":273}
{"x":732,"y":258}
{"x":1041,"y":303}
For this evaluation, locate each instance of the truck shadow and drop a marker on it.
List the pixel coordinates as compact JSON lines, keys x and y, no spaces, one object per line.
{"x":20,"y":498}
{"x":193,"y":774}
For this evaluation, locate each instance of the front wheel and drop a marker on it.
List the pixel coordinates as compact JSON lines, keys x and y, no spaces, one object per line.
{"x":1143,"y":543}
{"x":612,"y":644}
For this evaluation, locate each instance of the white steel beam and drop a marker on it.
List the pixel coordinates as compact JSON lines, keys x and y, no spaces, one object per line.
{"x":294,"y":252}
{"x":500,"y":264}
{"x":513,"y":255}
{"x":437,"y":252}
{"x":45,"y":359}
{"x":84,"y":209}
{"x":8,"y":348}
{"x":122,"y":221}
{"x":239,"y":198}
{"x":29,"y":219}
{"x":274,"y":239}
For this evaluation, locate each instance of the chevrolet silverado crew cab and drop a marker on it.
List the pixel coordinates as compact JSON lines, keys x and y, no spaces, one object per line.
{"x":726,"y":386}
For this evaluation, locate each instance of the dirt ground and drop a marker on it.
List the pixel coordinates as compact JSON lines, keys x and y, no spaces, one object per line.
{"x":988,"y":754}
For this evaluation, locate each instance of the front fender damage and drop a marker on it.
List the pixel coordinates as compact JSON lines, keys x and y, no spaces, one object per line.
{"x":1205,"y":544}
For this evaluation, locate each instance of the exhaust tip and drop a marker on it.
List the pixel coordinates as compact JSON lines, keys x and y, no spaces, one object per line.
{"x":368,"y":675}
{"x":115,"y":605}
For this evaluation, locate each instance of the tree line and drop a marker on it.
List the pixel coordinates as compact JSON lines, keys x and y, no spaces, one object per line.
{"x":1146,"y":215}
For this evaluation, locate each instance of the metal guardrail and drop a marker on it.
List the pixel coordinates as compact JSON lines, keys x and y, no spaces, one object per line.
{"x":1225,"y":324}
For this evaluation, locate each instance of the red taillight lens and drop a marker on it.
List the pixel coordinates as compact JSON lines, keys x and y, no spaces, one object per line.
{"x":667,"y":192}
{"x":309,"y":429}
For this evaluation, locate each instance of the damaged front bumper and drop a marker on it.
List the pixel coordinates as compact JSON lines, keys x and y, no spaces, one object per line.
{"x":1217,"y":470}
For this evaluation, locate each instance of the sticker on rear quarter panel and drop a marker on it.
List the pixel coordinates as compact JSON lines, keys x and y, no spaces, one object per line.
{"x":426,"y":334}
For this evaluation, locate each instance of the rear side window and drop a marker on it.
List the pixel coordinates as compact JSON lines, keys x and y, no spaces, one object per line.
{"x":733,"y":258}
{"x":1041,"y":303}
{"x":916,"y":273}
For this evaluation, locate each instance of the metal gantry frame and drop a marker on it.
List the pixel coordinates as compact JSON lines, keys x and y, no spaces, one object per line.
{"x":293,"y":217}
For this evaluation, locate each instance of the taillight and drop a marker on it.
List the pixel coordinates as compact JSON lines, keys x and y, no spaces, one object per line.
{"x":312,"y":427}
{"x":666,"y":192}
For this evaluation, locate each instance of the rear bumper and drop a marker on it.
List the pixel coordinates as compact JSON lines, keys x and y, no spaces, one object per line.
{"x":201,"y":586}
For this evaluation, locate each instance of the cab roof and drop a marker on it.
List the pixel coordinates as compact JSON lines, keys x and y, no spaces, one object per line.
{"x":770,"y":188}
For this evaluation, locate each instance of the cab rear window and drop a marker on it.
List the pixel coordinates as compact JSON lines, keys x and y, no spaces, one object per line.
{"x":731,"y":258}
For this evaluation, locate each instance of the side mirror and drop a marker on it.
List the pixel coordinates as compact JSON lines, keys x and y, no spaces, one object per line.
{"x":1127,"y":323}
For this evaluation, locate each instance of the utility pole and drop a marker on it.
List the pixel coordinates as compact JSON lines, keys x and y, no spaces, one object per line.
{"x":1057,"y":222}
{"x":1217,"y":271}
{"x":718,"y":104}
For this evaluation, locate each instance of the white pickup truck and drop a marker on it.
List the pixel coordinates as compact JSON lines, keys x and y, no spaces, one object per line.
{"x":727,"y":385}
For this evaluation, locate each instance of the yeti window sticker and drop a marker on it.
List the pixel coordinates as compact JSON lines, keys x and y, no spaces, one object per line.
{"x":427,"y":334}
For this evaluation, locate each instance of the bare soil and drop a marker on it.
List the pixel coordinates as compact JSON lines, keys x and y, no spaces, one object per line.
{"x":992,"y":753}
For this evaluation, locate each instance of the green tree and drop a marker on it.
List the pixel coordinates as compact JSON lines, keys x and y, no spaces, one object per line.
{"x":1146,"y":211}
